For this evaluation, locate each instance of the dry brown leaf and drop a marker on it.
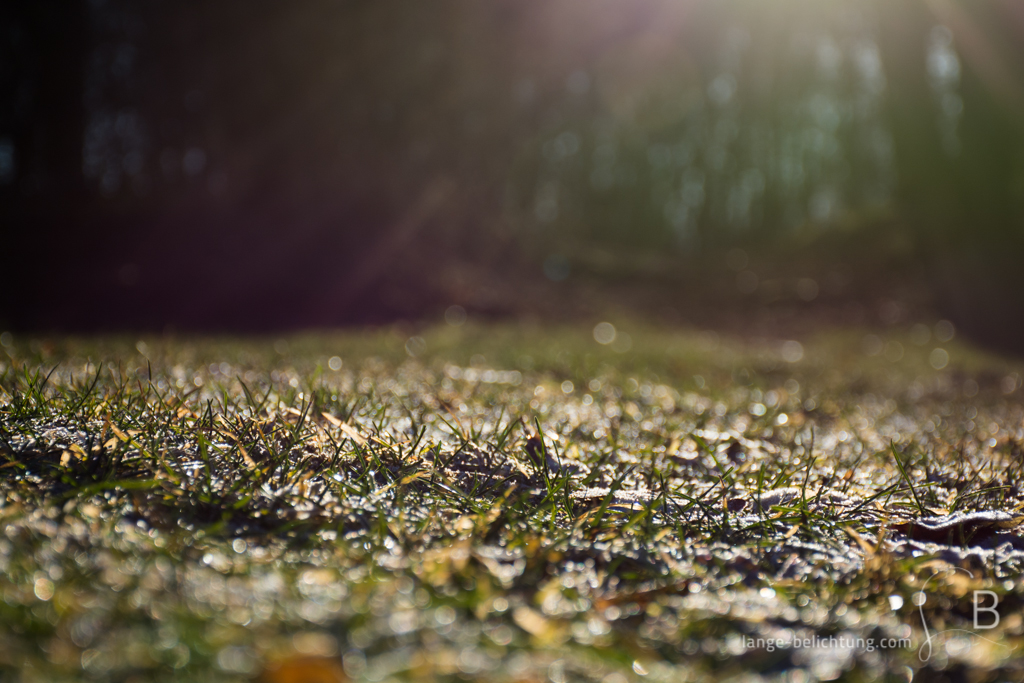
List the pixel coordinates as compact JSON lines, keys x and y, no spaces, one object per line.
{"x":868,"y":549}
{"x":348,"y":430}
{"x":959,"y":528}
{"x":249,"y":462}
{"x":531,"y":621}
{"x":121,"y":435}
{"x":305,"y":670}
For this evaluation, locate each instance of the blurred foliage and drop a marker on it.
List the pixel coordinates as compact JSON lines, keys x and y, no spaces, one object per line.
{"x":747,"y":122}
{"x":304,"y":136}
{"x":662,"y":122}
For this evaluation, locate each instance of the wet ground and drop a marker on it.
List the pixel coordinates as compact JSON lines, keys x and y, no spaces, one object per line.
{"x":503,"y":503}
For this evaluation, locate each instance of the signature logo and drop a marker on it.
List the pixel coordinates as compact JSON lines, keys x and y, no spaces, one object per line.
{"x":984,"y":612}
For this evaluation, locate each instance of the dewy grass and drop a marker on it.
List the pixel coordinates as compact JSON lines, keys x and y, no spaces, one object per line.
{"x":507,"y":504}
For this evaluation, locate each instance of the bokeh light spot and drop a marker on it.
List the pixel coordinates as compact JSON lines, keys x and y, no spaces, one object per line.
{"x":604,"y":333}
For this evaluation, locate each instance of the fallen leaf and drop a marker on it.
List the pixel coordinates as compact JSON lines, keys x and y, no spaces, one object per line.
{"x":960,"y":528}
{"x":349,"y":431}
{"x":544,"y":630}
{"x":305,"y":670}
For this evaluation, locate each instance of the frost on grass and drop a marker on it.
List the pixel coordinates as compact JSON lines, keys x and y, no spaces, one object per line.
{"x":573,"y":519}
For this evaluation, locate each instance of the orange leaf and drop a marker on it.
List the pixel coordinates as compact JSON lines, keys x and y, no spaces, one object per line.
{"x":305,"y":670}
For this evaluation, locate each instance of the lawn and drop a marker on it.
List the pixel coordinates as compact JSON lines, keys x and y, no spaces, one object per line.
{"x":499,"y":502}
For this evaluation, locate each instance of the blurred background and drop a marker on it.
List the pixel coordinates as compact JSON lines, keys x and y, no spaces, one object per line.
{"x":257,"y":165}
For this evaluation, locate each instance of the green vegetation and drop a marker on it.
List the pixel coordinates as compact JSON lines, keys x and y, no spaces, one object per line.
{"x":506,"y":503}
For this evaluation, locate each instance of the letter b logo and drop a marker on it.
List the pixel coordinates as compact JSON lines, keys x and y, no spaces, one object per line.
{"x":991,"y":609}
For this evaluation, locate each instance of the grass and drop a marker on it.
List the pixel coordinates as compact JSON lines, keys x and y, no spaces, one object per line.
{"x":504,"y":503}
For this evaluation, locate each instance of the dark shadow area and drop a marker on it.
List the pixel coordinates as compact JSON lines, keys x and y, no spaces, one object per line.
{"x":257,"y":166}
